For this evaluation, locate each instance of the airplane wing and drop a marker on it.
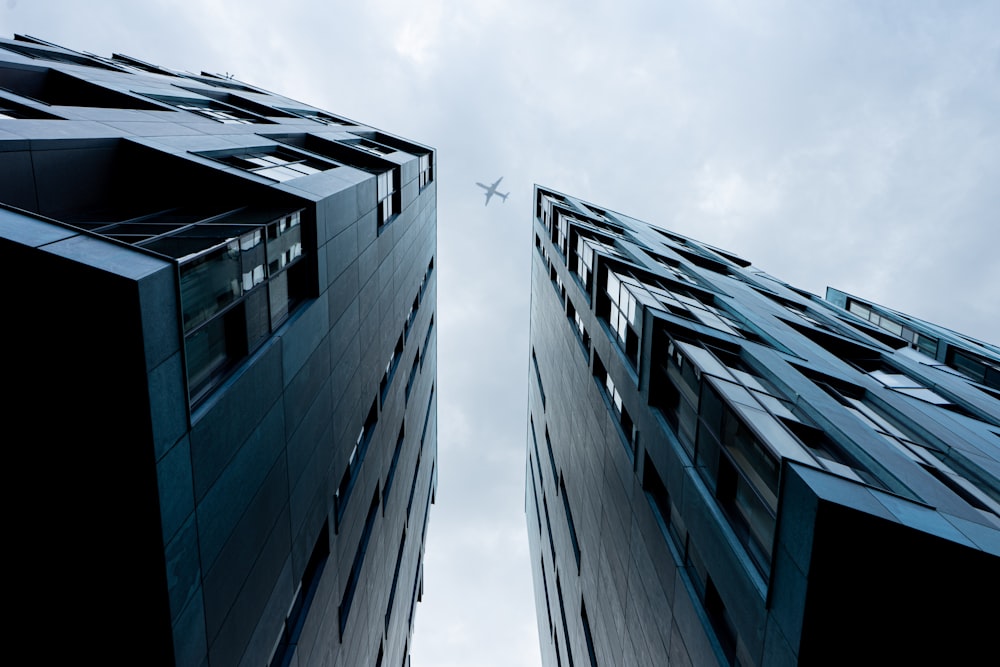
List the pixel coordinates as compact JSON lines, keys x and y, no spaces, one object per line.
{"x":491,"y":190}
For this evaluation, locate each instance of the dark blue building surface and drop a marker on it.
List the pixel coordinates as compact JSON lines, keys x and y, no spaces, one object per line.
{"x":221,"y":368}
{"x":724,"y":469}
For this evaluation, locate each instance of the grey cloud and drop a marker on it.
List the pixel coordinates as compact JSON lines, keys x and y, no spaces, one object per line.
{"x":832,"y":143}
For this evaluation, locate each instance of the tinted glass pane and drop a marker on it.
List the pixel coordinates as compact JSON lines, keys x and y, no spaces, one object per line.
{"x":925,"y":395}
{"x":927,"y":345}
{"x":278,"y":293}
{"x":207,"y":352}
{"x":209,"y":283}
{"x":759,"y":520}
{"x":284,"y":244}
{"x":279,"y":173}
{"x":755,"y":463}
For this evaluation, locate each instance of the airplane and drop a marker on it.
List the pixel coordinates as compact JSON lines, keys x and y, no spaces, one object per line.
{"x":492,"y":190}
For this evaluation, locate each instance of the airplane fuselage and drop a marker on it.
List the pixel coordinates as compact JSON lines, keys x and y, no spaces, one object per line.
{"x":492,"y":190}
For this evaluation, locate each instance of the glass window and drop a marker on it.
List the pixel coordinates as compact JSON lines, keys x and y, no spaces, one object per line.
{"x":889,"y":325}
{"x":552,"y":456}
{"x":354,"y":575}
{"x":426,"y":170}
{"x":390,"y":367}
{"x":656,"y":491}
{"x":569,"y":523}
{"x":538,"y":378}
{"x":893,"y":380}
{"x":756,"y":463}
{"x":562,"y":232}
{"x":675,"y":393}
{"x":741,"y":472}
{"x":622,"y":315}
{"x":538,"y":457}
{"x":859,"y":309}
{"x":318,"y":116}
{"x":252,"y":259}
{"x":387,"y":192}
{"x":210,"y":281}
{"x":216,"y":112}
{"x":705,"y":360}
{"x":371,"y":147}
{"x":924,"y":394}
{"x":584,"y":261}
{"x":235,"y":259}
{"x":580,"y":330}
{"x":413,"y":374}
{"x":284,"y":243}
{"x":591,"y":653}
{"x":628,"y":432}
{"x":209,"y":351}
{"x":907,"y":385}
{"x":277,"y":163}
{"x":974,"y":367}
{"x":927,"y":344}
{"x":278,"y":297}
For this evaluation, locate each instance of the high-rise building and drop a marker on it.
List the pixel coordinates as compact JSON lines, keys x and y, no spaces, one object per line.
{"x":723,"y":469}
{"x":221,"y":358}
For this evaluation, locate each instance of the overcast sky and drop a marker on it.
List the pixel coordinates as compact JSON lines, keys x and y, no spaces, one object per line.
{"x":851,"y":144}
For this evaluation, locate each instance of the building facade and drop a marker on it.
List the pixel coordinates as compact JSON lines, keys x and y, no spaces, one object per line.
{"x":723,"y":469}
{"x":223,"y":366}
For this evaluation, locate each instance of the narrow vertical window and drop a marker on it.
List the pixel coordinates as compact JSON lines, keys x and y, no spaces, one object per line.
{"x":570,"y":524}
{"x":395,"y":579}
{"x":538,"y":458}
{"x":587,"y":635}
{"x":562,"y":612}
{"x":552,"y":457}
{"x":392,"y":466}
{"x":426,"y":170}
{"x":627,"y":429}
{"x":545,"y":587}
{"x":387,"y":186}
{"x":581,"y":332}
{"x":548,"y":526}
{"x":390,"y":368}
{"x":354,"y":461}
{"x":413,"y":375}
{"x":534,"y":491}
{"x":427,"y":340}
{"x":303,"y":599}
{"x":623,"y":314}
{"x":538,"y":377}
{"x":354,"y":576}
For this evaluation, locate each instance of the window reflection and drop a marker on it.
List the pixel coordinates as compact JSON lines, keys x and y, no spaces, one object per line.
{"x":926,"y":344}
{"x":426,"y":170}
{"x":216,"y":111}
{"x":737,"y":428}
{"x":623,"y":314}
{"x":578,"y":328}
{"x":223,"y":266}
{"x":939,"y":460}
{"x":210,"y":281}
{"x":906,"y":385}
{"x":628,"y":431}
{"x":277,"y":163}
{"x":387,"y":189}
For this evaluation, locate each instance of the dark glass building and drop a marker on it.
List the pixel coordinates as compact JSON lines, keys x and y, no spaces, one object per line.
{"x":221,"y":359}
{"x":723,"y":469}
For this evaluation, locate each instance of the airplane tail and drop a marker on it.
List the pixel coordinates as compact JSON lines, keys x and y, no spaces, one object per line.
{"x":503,"y":195}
